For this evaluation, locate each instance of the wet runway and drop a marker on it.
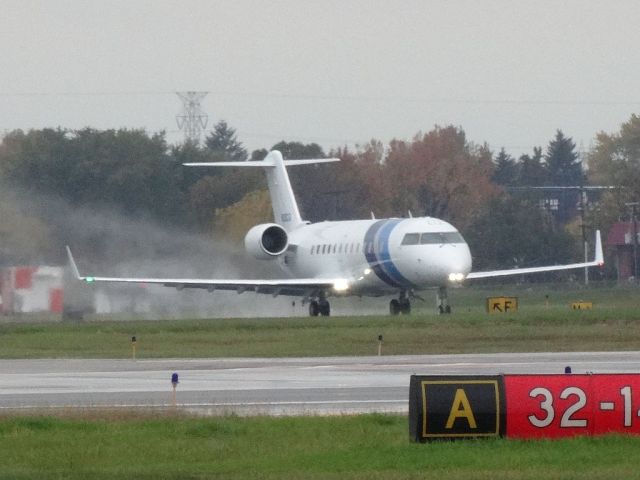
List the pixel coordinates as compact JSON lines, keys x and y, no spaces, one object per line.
{"x":296,"y":386}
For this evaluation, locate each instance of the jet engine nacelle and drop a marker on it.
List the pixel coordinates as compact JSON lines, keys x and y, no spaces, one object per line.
{"x":266,"y":241}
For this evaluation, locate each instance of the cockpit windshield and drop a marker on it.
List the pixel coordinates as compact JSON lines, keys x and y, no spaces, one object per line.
{"x":432,"y":238}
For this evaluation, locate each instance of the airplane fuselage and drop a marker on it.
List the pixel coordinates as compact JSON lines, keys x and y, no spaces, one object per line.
{"x":379,"y":256}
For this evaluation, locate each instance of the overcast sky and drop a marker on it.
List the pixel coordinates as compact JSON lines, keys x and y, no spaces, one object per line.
{"x":333,"y":72}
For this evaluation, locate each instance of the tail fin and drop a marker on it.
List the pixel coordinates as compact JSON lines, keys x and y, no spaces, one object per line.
{"x":285,"y":208}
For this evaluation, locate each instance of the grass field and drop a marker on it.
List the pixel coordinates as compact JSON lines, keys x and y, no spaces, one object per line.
{"x":154,"y":445}
{"x":613,"y":324}
{"x":361,"y":447}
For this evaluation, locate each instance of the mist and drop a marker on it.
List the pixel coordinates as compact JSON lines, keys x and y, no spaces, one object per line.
{"x":106,"y":242}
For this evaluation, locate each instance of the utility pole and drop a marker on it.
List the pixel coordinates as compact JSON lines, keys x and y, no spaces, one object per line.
{"x":192,"y":119}
{"x":583,"y":206}
{"x":634,"y":219}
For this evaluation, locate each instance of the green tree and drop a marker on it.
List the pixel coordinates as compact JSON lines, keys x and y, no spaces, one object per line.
{"x":223,"y":143}
{"x":127,"y":170}
{"x":259,"y":154}
{"x":614,"y":160}
{"x":212,"y":193}
{"x":219,"y":188}
{"x":512,"y":232}
{"x":531,"y":169}
{"x":505,"y":172}
{"x":562,"y":162}
{"x":298,"y":151}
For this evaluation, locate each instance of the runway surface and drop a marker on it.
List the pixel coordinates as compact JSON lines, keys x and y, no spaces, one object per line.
{"x":245,"y":386}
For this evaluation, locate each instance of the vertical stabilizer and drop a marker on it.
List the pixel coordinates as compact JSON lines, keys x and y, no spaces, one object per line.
{"x":285,"y":208}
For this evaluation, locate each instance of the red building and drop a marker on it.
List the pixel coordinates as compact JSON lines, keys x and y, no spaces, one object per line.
{"x":31,"y":289}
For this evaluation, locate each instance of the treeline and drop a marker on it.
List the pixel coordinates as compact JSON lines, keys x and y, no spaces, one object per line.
{"x":438,"y":173}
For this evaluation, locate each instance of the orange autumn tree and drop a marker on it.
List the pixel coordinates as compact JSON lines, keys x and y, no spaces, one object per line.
{"x":439,"y":174}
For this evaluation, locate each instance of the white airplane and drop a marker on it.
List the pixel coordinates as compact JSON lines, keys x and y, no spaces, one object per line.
{"x":353,"y":257}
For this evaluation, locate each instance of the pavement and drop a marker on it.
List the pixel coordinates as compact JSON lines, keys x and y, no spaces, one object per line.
{"x":265,"y":386}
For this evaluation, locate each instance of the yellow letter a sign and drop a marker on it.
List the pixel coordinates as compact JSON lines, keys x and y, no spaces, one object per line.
{"x":461,"y":409}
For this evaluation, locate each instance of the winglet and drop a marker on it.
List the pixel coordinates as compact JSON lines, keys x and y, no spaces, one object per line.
{"x":599,"y":255}
{"x":72,"y":263}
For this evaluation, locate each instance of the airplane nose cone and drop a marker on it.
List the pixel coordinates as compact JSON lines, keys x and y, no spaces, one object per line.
{"x":454,"y":264}
{"x":449,"y":264}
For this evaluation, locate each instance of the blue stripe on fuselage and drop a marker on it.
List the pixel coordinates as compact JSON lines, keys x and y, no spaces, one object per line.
{"x":384,"y":255}
{"x":370,"y":252}
{"x":376,"y":245}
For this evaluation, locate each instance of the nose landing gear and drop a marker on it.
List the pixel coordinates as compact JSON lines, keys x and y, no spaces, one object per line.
{"x":443,"y":301}
{"x":400,"y":305}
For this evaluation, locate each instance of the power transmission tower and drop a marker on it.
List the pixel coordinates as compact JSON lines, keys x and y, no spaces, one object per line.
{"x":192,"y":119}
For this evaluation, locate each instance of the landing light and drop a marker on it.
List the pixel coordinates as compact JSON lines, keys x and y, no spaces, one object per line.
{"x":89,"y":279}
{"x":341,"y":286}
{"x":456,"y":277}
{"x":367,"y":271}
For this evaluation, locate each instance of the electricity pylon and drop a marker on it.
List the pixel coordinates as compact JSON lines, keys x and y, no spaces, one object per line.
{"x":193,"y":120}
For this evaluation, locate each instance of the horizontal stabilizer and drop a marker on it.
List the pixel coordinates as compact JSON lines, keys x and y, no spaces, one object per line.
{"x":267,"y":162}
{"x":283,"y":202}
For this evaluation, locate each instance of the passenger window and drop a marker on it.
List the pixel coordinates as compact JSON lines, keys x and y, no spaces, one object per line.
{"x":411,"y":239}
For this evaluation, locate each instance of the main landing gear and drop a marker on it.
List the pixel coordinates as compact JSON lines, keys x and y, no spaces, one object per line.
{"x":400,"y":305}
{"x":320,"y":306}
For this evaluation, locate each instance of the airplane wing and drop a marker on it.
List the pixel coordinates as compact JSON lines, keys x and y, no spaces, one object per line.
{"x":275,"y":287}
{"x":597,"y":262}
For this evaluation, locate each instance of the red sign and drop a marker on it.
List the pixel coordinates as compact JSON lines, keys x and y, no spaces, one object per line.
{"x":566,"y":405}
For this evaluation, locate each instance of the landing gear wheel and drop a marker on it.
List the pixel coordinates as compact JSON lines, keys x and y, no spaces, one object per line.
{"x":443,"y":301}
{"x":314,"y":308}
{"x":405,"y":306}
{"x":444,"y":309}
{"x":394,"y":307}
{"x":325,"y":308}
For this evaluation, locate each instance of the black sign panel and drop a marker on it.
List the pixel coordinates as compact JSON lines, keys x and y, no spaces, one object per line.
{"x":456,"y":407}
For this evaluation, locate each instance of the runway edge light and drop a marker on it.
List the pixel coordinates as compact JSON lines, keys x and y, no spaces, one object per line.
{"x":174,"y":384}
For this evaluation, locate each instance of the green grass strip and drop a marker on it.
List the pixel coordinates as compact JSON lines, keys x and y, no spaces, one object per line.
{"x":358,"y":447}
{"x":544,"y":322}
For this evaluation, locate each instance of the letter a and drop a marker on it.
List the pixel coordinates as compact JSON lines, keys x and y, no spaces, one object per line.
{"x":461,"y":409}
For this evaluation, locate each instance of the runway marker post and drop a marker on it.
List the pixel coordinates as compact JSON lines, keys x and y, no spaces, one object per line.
{"x":379,"y":345}
{"x":133,"y":348}
{"x":174,"y":384}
